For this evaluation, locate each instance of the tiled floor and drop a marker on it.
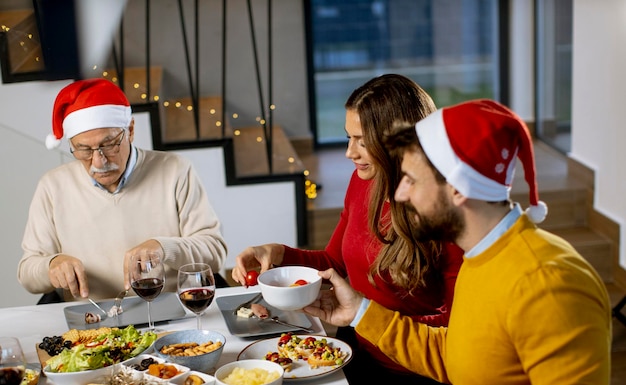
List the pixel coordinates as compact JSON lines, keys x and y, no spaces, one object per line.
{"x":332,"y":170}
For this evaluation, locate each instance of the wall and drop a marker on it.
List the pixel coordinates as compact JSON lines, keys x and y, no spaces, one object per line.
{"x":598,"y":113}
{"x":521,"y":60}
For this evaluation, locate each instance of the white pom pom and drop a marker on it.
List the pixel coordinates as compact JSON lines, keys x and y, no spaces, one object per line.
{"x":52,"y":142}
{"x":537,"y":213}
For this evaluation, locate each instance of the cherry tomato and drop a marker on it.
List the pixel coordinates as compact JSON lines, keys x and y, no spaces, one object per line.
{"x":300,"y":282}
{"x":251,"y":278}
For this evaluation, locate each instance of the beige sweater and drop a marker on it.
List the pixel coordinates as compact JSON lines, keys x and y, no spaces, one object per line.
{"x":163,"y":199}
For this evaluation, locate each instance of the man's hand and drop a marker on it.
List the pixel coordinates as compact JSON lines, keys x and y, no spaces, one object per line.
{"x":150,"y":246}
{"x":66,"y":272}
{"x":337,"y":306}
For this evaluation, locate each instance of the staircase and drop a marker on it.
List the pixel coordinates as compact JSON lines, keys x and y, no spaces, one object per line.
{"x":178,"y":126}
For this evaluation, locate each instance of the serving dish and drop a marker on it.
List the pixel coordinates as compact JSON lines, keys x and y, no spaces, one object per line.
{"x":165,"y":307}
{"x":300,"y":369}
{"x":251,"y":327}
{"x":125,"y":373}
{"x":250,"y":365}
{"x":204,"y":362}
{"x":80,"y":378}
{"x":290,"y":287}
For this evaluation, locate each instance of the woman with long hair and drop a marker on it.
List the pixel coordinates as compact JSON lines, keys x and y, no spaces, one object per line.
{"x":372,"y":244}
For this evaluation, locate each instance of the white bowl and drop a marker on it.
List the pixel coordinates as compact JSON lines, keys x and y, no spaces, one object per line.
{"x":96,"y":376}
{"x":227,"y":369}
{"x":201,"y":363}
{"x":275,"y":286}
{"x":137,"y":360}
{"x":181,"y":372}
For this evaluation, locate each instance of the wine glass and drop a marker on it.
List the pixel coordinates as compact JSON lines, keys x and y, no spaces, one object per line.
{"x":12,"y":361}
{"x":147,"y":277}
{"x":196,"y":288}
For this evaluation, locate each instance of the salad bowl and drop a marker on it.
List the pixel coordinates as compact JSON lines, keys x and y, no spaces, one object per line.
{"x":88,"y":361}
{"x":96,"y":376}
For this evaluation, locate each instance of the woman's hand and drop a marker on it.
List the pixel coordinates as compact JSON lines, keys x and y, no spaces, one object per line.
{"x":257,"y":258}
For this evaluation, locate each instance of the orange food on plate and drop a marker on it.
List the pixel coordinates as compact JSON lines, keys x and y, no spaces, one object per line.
{"x":163,"y":371}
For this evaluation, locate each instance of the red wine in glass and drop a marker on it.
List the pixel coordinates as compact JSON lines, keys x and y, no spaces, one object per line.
{"x":196,"y":288}
{"x":11,"y":375}
{"x":12,"y":362}
{"x":197,"y":300}
{"x":148,"y":288}
{"x":147,"y":276}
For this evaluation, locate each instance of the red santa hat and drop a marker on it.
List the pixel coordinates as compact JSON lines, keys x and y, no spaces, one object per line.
{"x":475,"y":144}
{"x":86,"y":105}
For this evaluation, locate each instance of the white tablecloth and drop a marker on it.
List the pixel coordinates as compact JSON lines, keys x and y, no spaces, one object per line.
{"x":32,"y":323}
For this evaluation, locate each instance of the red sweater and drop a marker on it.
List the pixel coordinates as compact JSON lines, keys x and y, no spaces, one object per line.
{"x":353,"y":248}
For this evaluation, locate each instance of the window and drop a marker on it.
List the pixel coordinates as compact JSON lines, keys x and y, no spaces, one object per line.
{"x":450,"y":48}
{"x":554,"y":72}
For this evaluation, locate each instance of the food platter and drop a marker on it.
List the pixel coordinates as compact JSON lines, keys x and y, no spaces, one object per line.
{"x":300,"y":369}
{"x":251,"y":327}
{"x":165,"y":307}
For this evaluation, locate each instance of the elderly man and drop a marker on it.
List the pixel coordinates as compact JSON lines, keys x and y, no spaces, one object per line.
{"x":528,"y":309}
{"x":87,"y":217}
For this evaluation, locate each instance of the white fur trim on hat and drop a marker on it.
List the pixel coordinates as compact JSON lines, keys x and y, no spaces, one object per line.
{"x":107,"y":115}
{"x":538,"y":213}
{"x":434,"y":140}
{"x":52,"y":142}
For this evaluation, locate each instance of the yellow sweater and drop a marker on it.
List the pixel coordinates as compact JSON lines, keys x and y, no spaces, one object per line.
{"x":163,"y":199}
{"x":528,"y":310}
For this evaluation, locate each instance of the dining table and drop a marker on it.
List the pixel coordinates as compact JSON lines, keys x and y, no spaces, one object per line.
{"x":30,"y":324}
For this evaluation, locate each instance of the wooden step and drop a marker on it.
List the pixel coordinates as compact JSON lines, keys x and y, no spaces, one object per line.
{"x":136,"y":83}
{"x":567,"y":204}
{"x":179,"y":122}
{"x":250,"y":153}
{"x":595,"y":248}
{"x":177,"y":115}
{"x":23,"y":44}
{"x":321,"y":223}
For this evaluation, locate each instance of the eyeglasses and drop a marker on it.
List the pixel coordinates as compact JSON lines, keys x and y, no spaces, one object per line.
{"x":106,"y":150}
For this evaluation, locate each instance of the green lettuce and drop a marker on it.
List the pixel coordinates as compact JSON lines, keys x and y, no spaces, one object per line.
{"x":107,"y":349}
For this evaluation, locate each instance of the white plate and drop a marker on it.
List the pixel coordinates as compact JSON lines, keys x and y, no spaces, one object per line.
{"x":300,"y":369}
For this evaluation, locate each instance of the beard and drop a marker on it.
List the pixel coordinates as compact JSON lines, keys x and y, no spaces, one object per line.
{"x":445,"y":225}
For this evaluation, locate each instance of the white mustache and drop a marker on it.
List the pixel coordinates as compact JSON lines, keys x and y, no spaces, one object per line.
{"x":107,"y":168}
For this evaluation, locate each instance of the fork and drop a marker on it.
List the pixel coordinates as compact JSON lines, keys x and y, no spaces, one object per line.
{"x":117,"y":304}
{"x":94,"y":303}
{"x":248,"y":303}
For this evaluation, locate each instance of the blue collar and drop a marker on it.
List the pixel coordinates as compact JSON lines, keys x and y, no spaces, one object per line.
{"x":130,"y":166}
